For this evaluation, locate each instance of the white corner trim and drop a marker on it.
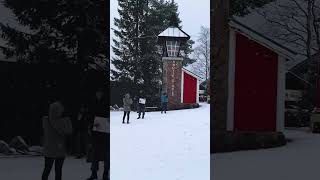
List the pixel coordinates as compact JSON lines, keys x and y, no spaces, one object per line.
{"x":198,"y":88}
{"x":281,"y":90}
{"x":231,"y":80}
{"x":182,"y":85}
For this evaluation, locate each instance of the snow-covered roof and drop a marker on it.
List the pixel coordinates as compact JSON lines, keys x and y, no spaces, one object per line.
{"x":266,"y":41}
{"x":256,"y":20}
{"x":192,"y":74}
{"x":174,"y":32}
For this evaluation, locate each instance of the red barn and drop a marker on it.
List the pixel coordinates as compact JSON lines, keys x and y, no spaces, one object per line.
{"x":256,"y":84}
{"x":190,"y":87}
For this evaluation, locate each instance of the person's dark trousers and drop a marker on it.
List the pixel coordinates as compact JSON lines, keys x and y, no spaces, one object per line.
{"x":164,"y":107}
{"x":81,"y":147}
{"x":48,"y":166}
{"x":95,"y":168}
{"x":126,"y":113}
{"x":106,"y":169}
{"x":141,"y":110}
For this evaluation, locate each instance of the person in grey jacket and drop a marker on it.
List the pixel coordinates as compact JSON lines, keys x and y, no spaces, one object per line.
{"x":56,"y":126}
{"x":127,"y":102}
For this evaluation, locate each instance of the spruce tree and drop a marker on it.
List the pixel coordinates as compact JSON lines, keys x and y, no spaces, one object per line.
{"x":137,"y":60}
{"x":243,"y":7}
{"x":57,"y":31}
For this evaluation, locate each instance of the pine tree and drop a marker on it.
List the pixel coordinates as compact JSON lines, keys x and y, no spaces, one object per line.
{"x":137,"y":59}
{"x":126,"y":45}
{"x":241,"y":7}
{"x":57,"y":31}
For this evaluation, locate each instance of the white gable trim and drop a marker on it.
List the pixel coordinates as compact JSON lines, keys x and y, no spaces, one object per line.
{"x":191,"y":74}
{"x":262,"y":40}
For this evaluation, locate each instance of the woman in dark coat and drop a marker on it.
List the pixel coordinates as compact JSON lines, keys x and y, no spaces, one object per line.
{"x":100,"y":141}
{"x":56,"y":126}
{"x":81,"y":131}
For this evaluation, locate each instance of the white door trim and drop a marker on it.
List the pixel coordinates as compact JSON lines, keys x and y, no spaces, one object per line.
{"x":231,"y":80}
{"x":198,"y":88}
{"x":182,"y":85}
{"x":281,"y":93}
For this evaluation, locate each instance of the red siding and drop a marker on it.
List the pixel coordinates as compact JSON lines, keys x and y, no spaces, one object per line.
{"x":189,"y":89}
{"x":256,"y":75}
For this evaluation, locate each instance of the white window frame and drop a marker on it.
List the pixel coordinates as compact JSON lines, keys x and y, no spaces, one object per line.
{"x":172,"y":48}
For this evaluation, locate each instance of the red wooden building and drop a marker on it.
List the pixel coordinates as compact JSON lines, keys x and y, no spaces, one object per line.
{"x":256,"y":81}
{"x":190,"y":87}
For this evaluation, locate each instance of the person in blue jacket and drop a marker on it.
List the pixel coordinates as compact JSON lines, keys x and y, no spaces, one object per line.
{"x":164,"y":102}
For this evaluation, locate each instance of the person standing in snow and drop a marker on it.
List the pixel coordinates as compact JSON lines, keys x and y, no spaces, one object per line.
{"x":81,"y":132}
{"x":127,"y":102}
{"x":56,"y":127}
{"x":164,"y":102}
{"x":141,"y":104}
{"x":135,"y":104}
{"x":100,"y":150}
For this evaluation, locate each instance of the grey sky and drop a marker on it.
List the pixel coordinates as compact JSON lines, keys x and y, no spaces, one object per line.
{"x":193,"y":14}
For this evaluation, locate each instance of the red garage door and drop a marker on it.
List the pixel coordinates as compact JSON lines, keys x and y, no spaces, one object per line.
{"x":255,"y":86}
{"x":189,"y":89}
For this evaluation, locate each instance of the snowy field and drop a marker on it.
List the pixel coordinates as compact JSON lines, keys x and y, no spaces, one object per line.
{"x":297,"y":160}
{"x":172,"y":146}
{"x":30,"y":168}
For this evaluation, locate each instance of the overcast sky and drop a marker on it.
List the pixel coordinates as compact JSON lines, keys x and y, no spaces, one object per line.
{"x":193,"y":14}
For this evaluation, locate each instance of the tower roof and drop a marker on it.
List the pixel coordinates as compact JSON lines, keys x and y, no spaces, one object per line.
{"x":174,"y":32}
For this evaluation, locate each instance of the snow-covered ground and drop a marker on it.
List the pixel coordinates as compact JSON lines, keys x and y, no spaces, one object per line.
{"x":172,"y":146}
{"x":297,"y":160}
{"x":30,"y":168}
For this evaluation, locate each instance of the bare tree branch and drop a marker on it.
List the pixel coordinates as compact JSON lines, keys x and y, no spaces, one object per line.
{"x":202,"y":54}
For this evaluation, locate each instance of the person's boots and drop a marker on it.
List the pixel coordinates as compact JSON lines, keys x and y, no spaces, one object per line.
{"x":105,"y":176}
{"x":94,"y":176}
